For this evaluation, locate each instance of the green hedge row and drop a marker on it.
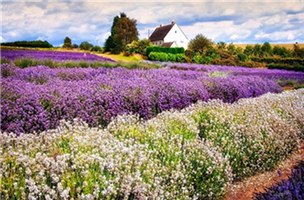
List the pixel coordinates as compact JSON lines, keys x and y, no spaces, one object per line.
{"x":288,"y":61}
{"x":286,"y":67}
{"x":172,"y":50}
{"x":39,"y":43}
{"x":160,"y":56}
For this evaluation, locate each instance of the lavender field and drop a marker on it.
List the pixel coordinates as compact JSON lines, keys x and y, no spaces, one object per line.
{"x":53,"y":55}
{"x":116,"y":133}
{"x":37,"y":98}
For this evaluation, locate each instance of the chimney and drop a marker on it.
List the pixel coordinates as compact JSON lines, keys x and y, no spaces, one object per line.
{"x":161,"y":25}
{"x":173,"y":22}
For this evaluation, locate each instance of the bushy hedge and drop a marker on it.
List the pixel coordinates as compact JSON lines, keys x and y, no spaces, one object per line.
{"x":160,"y":56}
{"x":202,"y":60}
{"x":299,"y":68}
{"x":295,"y":64}
{"x":172,"y":50}
{"x":289,"y":61}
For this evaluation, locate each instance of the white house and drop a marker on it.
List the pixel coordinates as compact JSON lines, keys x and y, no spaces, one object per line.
{"x":169,"y":36}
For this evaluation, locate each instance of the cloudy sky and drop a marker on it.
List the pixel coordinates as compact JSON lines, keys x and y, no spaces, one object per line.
{"x":280,"y":21}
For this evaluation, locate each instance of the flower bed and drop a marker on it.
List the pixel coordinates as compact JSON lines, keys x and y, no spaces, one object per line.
{"x":189,"y":154}
{"x":36,"y":98}
{"x":283,"y":77}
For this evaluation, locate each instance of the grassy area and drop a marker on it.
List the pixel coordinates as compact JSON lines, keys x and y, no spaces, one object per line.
{"x":123,"y":58}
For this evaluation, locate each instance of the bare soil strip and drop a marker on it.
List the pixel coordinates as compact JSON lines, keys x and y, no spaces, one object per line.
{"x":246,"y":188}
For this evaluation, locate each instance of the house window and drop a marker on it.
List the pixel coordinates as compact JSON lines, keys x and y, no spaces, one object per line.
{"x":182,"y":41}
{"x":175,"y":31}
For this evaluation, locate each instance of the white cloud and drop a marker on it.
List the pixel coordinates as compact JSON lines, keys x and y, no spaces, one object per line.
{"x":42,"y":38}
{"x":2,"y":39}
{"x":218,"y":20}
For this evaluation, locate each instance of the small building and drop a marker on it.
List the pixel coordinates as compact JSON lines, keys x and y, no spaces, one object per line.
{"x":169,"y":36}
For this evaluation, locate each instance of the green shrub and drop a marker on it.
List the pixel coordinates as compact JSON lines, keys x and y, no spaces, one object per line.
{"x":198,"y":59}
{"x":180,"y":57}
{"x":163,"y":57}
{"x":172,"y":50}
{"x":242,"y":57}
{"x":286,"y":67}
{"x":171,"y":57}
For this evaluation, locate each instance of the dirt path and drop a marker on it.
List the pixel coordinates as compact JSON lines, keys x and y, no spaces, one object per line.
{"x":246,"y":188}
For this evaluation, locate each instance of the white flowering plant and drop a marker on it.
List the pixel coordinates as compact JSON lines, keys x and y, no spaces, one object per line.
{"x":194,"y":153}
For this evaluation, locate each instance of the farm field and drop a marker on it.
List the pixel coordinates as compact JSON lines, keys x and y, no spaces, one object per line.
{"x":186,"y":132}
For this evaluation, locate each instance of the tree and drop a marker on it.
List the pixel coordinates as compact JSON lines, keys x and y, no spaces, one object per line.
{"x":248,"y":50}
{"x":123,"y":32}
{"x":221,"y":45}
{"x":67,"y":43}
{"x":200,"y":44}
{"x":257,"y":50}
{"x":85,"y":46}
{"x":231,"y":48}
{"x":266,"y":49}
{"x":75,"y":46}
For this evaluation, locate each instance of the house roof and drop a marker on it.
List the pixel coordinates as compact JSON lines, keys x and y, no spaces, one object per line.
{"x":167,"y":44}
{"x":160,"y":32}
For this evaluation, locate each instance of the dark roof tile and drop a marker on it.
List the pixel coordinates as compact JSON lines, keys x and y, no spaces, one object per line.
{"x":160,"y":32}
{"x":167,"y":44}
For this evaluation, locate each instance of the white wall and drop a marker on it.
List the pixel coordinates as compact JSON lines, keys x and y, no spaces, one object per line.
{"x":176,"y":35}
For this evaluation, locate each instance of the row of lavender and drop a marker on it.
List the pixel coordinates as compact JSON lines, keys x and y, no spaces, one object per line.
{"x":292,"y":188}
{"x":282,"y":77}
{"x":194,"y":153}
{"x":36,"y":98}
{"x":53,"y":55}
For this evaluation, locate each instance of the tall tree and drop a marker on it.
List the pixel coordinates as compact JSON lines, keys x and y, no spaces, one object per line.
{"x":67,"y":43}
{"x":266,"y":49}
{"x":123,"y":32}
{"x":200,"y":44}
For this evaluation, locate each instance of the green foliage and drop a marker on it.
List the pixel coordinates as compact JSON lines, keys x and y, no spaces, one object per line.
{"x":257,"y":51}
{"x":286,"y":67}
{"x":138,"y":46}
{"x":238,"y":50}
{"x":221,"y":45}
{"x":200,"y":44}
{"x":171,"y":57}
{"x":242,"y":57}
{"x":34,"y":44}
{"x":67,"y":43}
{"x":123,"y":32}
{"x":297,"y":51}
{"x":202,"y":60}
{"x":266,"y":49}
{"x":231,"y":48}
{"x":180,"y":57}
{"x":85,"y":46}
{"x":75,"y":46}
{"x":248,"y":50}
{"x":282,"y":51}
{"x":97,"y":49}
{"x":172,"y":50}
{"x":252,"y":64}
{"x":161,"y":56}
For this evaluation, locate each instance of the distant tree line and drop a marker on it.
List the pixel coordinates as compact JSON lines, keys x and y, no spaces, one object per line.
{"x":204,"y":51}
{"x":36,"y":44}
